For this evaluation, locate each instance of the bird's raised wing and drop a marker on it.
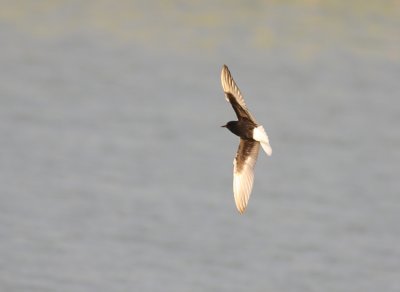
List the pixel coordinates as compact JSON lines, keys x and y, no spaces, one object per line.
{"x":233,"y":95}
{"x":243,"y":172}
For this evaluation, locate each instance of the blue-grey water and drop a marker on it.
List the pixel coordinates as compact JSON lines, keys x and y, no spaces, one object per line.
{"x":116,"y":176}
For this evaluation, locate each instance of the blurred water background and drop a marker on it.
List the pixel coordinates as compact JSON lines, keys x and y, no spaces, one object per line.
{"x":116,"y":176}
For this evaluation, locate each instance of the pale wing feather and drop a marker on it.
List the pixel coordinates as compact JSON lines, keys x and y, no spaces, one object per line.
{"x":243,"y":179}
{"x":229,"y":86}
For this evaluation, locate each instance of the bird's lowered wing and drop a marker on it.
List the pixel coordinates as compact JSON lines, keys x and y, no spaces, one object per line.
{"x":233,"y":95}
{"x":243,"y":172}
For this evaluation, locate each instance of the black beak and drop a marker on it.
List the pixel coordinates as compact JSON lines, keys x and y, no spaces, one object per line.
{"x":224,"y":126}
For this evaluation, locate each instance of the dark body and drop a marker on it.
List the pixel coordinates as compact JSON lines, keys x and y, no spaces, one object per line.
{"x":242,"y":128}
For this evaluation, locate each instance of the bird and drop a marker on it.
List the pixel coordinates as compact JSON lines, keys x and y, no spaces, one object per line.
{"x":251,"y":134}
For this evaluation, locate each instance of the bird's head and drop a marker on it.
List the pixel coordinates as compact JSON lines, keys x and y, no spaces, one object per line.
{"x":230,"y":125}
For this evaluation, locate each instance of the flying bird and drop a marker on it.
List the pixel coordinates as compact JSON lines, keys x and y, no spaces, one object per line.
{"x":251,"y":136}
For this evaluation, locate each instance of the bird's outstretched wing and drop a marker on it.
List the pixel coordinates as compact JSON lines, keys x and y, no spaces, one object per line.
{"x":243,"y":172}
{"x":233,"y":95}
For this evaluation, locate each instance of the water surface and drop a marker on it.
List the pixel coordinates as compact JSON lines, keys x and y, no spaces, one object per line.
{"x":115,"y":174}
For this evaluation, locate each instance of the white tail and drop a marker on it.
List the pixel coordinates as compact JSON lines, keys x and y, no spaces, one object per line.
{"x":261,"y":136}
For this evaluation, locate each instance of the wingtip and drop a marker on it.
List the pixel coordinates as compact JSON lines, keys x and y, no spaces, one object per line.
{"x":226,"y":79}
{"x":240,"y":206}
{"x":224,"y":72}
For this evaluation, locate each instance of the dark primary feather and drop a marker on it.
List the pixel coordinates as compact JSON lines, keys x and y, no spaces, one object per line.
{"x":241,"y":113}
